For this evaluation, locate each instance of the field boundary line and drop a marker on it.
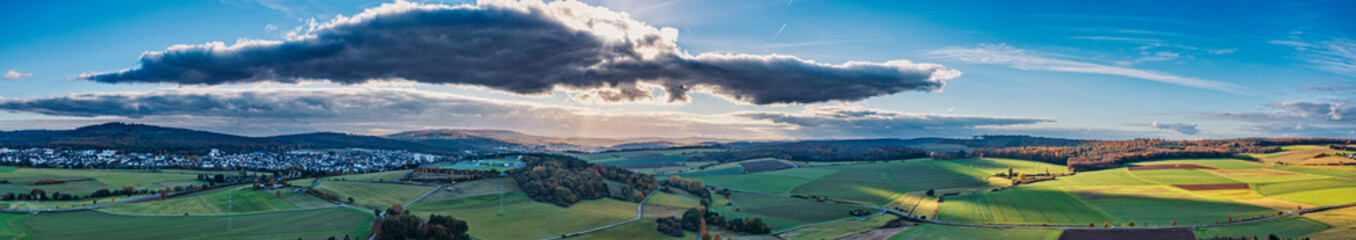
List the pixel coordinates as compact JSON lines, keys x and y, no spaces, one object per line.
{"x":214,"y":214}
{"x":1100,"y":212}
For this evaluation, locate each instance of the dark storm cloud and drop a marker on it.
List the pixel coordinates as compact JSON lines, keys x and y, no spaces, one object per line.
{"x":842,"y":121}
{"x":524,"y":48}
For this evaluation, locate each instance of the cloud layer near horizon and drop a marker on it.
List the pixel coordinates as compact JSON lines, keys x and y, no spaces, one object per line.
{"x":525,"y":47}
{"x":360,"y":110}
{"x":1331,"y":118}
{"x":855,"y":121}
{"x":387,"y":110}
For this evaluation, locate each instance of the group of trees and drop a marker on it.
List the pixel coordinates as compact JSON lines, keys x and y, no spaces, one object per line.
{"x":46,"y":182}
{"x":219,"y":178}
{"x":564,"y":180}
{"x":399,"y":224}
{"x":325,"y":195}
{"x":686,"y":184}
{"x":1342,"y":147}
{"x":858,"y":212}
{"x":813,"y":151}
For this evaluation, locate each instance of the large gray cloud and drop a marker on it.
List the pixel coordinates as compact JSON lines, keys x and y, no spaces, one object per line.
{"x":851,"y":121}
{"x":1330,"y":118}
{"x":526,"y":48}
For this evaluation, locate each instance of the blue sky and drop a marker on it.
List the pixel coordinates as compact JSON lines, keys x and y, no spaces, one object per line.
{"x":1168,"y":69}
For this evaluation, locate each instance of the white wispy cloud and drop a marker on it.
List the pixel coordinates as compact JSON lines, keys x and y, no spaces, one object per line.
{"x":14,"y":74}
{"x":1002,"y":54}
{"x":1336,"y":55}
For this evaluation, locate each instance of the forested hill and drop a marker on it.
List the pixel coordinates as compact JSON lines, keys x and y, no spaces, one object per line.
{"x":148,"y":138}
{"x":131,"y":137}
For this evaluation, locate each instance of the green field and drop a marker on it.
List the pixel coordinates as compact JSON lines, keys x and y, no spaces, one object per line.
{"x":101,"y":180}
{"x":989,"y":166}
{"x":1108,"y":177}
{"x":878,"y":183}
{"x":711,"y":172}
{"x":780,"y":181}
{"x":376,"y":176}
{"x":1324,"y":197}
{"x":1160,"y":205}
{"x":473,"y":188}
{"x":306,"y":224}
{"x":1264,"y":175}
{"x":10,"y":228}
{"x":784,"y":212}
{"x":933,"y":231}
{"x":373,"y":195}
{"x":838,"y":229}
{"x":1300,"y":186}
{"x":1288,"y":228}
{"x":1319,"y":171}
{"x":1219,"y":163}
{"x":673,"y":200}
{"x":304,"y":182}
{"x":1020,"y":206}
{"x":1181,"y":176}
{"x":640,"y":229}
{"x":527,"y":219}
{"x":214,"y":201}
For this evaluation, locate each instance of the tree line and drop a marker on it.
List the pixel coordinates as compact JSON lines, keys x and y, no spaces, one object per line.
{"x":1093,"y":155}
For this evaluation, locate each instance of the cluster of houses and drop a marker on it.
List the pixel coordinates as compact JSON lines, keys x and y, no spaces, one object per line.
{"x":347,"y":160}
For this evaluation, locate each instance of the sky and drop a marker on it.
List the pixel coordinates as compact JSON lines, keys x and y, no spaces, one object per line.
{"x":797,"y":69}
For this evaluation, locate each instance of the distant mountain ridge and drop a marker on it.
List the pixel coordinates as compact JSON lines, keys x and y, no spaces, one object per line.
{"x":132,"y":137}
{"x":148,"y":138}
{"x":558,"y":143}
